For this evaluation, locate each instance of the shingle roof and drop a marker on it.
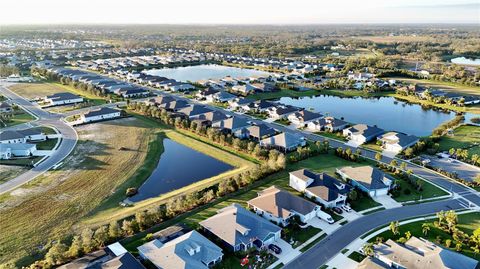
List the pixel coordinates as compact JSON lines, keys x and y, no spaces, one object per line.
{"x":260,"y":130}
{"x":285,"y":140}
{"x":398,"y":138}
{"x":234,"y":123}
{"x":234,"y":225}
{"x":189,"y":251}
{"x":281,"y":203}
{"x":370,"y":177}
{"x":61,"y":96}
{"x":365,"y":130}
{"x":305,"y":115}
{"x":418,"y":253}
{"x":125,"y":261}
{"x":101,"y":111}
{"x":194,"y":110}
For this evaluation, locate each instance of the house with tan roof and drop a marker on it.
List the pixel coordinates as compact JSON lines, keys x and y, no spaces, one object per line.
{"x":325,"y":189}
{"x":417,"y":253}
{"x":280,"y":206}
{"x":368,"y":179}
{"x":240,"y":229}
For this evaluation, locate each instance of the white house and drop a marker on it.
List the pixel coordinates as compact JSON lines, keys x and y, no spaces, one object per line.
{"x":327,"y":190}
{"x":104,"y":113}
{"x":62,"y":98}
{"x":362,"y":133}
{"x":22,"y":136}
{"x":303,"y":117}
{"x":396,"y":142}
{"x":9,"y":151}
{"x":280,"y":206}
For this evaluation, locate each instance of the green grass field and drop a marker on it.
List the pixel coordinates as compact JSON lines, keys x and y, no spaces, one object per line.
{"x":47,"y":144}
{"x":282,"y":93}
{"x":466,"y":222}
{"x":465,"y":137}
{"x":428,"y":191}
{"x":19,"y":117}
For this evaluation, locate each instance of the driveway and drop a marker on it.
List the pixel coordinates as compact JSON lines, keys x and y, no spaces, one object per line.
{"x":288,"y":253}
{"x":352,"y":143}
{"x":387,"y":201}
{"x":323,"y":225}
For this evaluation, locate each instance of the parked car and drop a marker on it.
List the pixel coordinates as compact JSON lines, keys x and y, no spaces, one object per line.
{"x":337,"y":210}
{"x":275,"y":248}
{"x":346,"y":208}
{"x":324,"y":216}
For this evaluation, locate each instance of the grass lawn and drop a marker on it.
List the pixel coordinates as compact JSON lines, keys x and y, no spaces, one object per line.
{"x":19,"y":117}
{"x":51,"y":206}
{"x":283,"y":93}
{"x":48,"y":144}
{"x":429,"y":191}
{"x":358,"y":257}
{"x":465,"y":137}
{"x":27,"y":162}
{"x":313,"y":243}
{"x":231,"y":261}
{"x":283,"y":122}
{"x":466,"y":222}
{"x":302,"y":235}
{"x":372,"y":146}
{"x":41,"y":89}
{"x":412,"y":99}
{"x":363,"y":203}
{"x":448,"y":86}
{"x":337,"y":136}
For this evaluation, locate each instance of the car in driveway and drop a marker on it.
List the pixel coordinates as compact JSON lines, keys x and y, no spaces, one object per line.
{"x":346,"y":208}
{"x":276,"y":249}
{"x":337,"y":210}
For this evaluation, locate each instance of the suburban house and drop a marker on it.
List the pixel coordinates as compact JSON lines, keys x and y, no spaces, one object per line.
{"x":260,"y":131}
{"x":284,"y":141}
{"x":281,"y":112}
{"x":264,"y":87}
{"x":280,"y":206}
{"x":114,"y":256}
{"x":244,"y":89}
{"x":396,"y":142}
{"x":240,"y":229}
{"x":222,"y":97}
{"x":22,"y":136}
{"x":362,"y":133}
{"x":206,"y":94}
{"x":234,"y":125}
{"x":263,"y":105}
{"x":104,"y":113}
{"x":132,"y":92}
{"x":62,"y":98}
{"x":325,"y":189}
{"x":193,"y":111}
{"x":160,"y":100}
{"x":5,"y":107}
{"x":328,"y":124}
{"x":416,"y":253}
{"x":368,"y":179}
{"x":9,"y":151}
{"x":239,"y":102}
{"x":174,"y":105}
{"x":180,"y":87}
{"x":303,"y":117}
{"x":191,"y":250}
{"x":211,"y":117}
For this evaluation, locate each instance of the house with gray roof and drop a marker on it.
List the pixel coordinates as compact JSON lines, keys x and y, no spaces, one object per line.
{"x":280,"y":206}
{"x":104,"y":113}
{"x":240,"y":229}
{"x":417,"y":253}
{"x":221,"y":97}
{"x":303,"y":117}
{"x":362,"y":133}
{"x":212,"y":116}
{"x":174,"y":105}
{"x":281,"y":111}
{"x":327,"y":124}
{"x":62,"y":98}
{"x":284,"y":142}
{"x":260,"y":131}
{"x":9,"y":151}
{"x":22,"y":136}
{"x":396,"y":142}
{"x":194,"y":111}
{"x":368,"y":179}
{"x":235,"y":125}
{"x":325,"y":189}
{"x":189,"y":251}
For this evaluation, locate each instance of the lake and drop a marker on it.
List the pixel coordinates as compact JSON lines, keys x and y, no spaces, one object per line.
{"x":464,"y":60}
{"x":205,"y":71}
{"x":385,"y":112}
{"x":179,"y":166}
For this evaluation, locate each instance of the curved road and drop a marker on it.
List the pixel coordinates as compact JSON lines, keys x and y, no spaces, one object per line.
{"x":69,"y":140}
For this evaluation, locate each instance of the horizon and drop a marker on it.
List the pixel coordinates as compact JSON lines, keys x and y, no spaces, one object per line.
{"x":215,"y":12}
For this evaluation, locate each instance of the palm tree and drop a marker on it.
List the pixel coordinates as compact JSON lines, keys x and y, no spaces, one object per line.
{"x":425,"y":228}
{"x":475,"y":159}
{"x":441,"y":217}
{"x":394,"y":227}
{"x":378,"y":156}
{"x":368,"y":249}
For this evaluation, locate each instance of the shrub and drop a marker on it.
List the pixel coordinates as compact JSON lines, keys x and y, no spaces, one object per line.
{"x":407,"y":192}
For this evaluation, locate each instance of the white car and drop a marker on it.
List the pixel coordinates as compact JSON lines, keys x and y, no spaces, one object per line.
{"x":346,"y":208}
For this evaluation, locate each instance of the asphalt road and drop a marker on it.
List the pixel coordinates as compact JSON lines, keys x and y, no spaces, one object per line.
{"x":69,"y":140}
{"x":331,"y":245}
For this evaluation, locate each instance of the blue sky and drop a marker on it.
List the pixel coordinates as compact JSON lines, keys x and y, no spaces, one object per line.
{"x":239,"y":11}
